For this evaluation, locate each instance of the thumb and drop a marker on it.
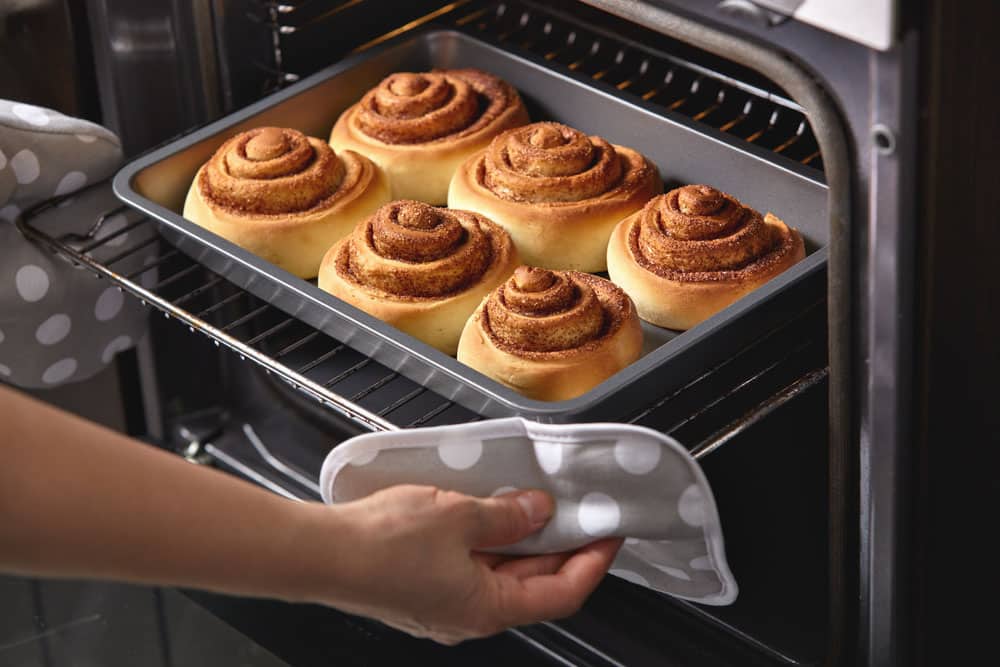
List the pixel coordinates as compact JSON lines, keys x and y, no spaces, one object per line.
{"x":510,"y":518}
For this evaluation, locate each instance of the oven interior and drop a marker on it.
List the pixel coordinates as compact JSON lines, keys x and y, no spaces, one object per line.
{"x":281,"y":393}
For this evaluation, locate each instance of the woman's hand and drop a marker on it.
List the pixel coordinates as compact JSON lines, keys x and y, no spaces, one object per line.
{"x":411,"y":561}
{"x":406,"y":556}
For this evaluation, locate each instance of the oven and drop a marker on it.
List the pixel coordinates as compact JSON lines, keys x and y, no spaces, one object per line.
{"x":816,"y":436}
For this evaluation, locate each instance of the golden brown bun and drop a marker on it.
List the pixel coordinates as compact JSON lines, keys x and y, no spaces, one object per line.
{"x":419,"y":127}
{"x":693,"y":251}
{"x":552,"y":335}
{"x":419,"y":268}
{"x":283,"y":196}
{"x":557,"y":191}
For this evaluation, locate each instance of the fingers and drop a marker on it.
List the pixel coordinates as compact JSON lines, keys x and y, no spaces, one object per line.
{"x":533,"y":566}
{"x":549,"y":596}
{"x":509,"y":518}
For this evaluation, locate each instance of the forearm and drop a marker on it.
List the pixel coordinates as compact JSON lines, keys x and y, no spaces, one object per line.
{"x":79,"y":500}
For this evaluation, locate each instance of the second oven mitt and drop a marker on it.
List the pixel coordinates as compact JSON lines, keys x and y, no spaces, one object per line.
{"x":608,"y":480}
{"x":58,"y":324}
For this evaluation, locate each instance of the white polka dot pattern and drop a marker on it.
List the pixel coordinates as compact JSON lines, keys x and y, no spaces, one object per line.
{"x":2,"y":335}
{"x":10,"y":212}
{"x":691,"y":507}
{"x":54,"y":329}
{"x":637,"y":456}
{"x":71,"y":182}
{"x":460,"y":455}
{"x":109,"y":304}
{"x":114,"y":347}
{"x":25,"y":166}
{"x":4,"y":370}
{"x":31,"y":114}
{"x":32,"y":283}
{"x":60,"y":371}
{"x":599,"y":514}
{"x":606,"y":480}
{"x":549,"y":456}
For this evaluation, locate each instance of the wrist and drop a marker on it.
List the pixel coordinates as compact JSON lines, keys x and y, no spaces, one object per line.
{"x":319,"y":554}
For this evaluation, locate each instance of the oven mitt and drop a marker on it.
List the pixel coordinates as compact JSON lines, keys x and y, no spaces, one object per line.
{"x":607,"y":479}
{"x":57,"y":324}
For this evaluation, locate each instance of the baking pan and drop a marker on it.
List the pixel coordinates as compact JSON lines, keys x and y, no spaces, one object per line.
{"x":157,"y":182}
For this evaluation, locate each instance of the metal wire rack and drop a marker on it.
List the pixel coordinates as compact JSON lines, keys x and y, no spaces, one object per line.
{"x":756,"y":112}
{"x":705,"y":413}
{"x":737,"y":393}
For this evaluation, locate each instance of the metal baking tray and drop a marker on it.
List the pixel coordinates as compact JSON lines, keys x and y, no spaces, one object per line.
{"x":684,"y":152}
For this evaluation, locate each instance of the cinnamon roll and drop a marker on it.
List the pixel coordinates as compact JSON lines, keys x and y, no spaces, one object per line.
{"x":421,"y":269}
{"x":695,"y":250}
{"x":284,"y":196}
{"x":552,"y":335}
{"x":420,"y":126}
{"x":557,"y":191}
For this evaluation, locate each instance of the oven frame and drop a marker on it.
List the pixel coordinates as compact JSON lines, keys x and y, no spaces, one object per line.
{"x":868,"y":97}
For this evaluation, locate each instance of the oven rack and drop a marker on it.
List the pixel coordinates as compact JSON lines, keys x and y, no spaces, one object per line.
{"x":703,"y":414}
{"x":585,"y":41}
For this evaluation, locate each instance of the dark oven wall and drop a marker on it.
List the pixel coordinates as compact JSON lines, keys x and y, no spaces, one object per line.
{"x":166,"y":66}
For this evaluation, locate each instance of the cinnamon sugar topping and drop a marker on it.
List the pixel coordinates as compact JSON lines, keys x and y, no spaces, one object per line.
{"x":532,"y":279}
{"x":408,"y":250}
{"x":698,"y":234}
{"x":553,"y":314}
{"x":267,"y":145}
{"x":551,"y":163}
{"x":274,"y":171}
{"x":414,"y":108}
{"x":407,"y":84}
{"x":699,"y":200}
{"x":415,"y":232}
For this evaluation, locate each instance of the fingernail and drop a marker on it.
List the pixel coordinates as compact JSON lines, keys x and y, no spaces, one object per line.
{"x":536,"y":505}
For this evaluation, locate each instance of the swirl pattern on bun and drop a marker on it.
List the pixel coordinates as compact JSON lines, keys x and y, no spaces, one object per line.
{"x":420,"y":126}
{"x":284,"y":196}
{"x":420,"y":268}
{"x":695,"y":250}
{"x":552,"y":335}
{"x":557,"y":191}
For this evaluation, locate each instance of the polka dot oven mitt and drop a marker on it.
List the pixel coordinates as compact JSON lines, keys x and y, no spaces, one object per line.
{"x":58,"y":323}
{"x":607,"y":479}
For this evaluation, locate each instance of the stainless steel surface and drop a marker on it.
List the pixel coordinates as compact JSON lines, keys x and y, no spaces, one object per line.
{"x":157,"y":56}
{"x":886,"y":454}
{"x":157,"y":182}
{"x":49,"y":622}
{"x":39,"y":63}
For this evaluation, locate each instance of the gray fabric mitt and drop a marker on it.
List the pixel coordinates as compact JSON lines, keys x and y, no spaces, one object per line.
{"x":57,"y":324}
{"x":607,"y":480}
